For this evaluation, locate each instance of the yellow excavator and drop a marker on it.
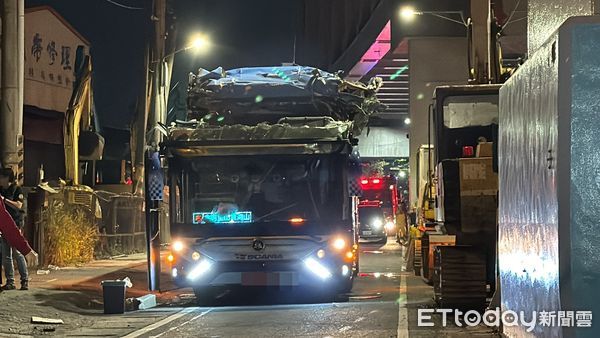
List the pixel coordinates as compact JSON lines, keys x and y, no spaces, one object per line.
{"x":77,"y":127}
{"x":456,"y":223}
{"x":80,"y":141}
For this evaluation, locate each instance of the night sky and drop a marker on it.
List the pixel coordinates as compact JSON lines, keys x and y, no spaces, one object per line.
{"x":244,"y":33}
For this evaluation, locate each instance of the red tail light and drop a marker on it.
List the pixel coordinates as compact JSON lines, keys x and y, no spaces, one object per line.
{"x":376,"y":181}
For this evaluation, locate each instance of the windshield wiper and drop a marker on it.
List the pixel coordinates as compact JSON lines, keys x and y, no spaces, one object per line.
{"x":275,"y":212}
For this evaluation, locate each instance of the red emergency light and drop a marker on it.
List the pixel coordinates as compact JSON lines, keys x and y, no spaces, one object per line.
{"x":371,"y":183}
{"x":467,"y":151}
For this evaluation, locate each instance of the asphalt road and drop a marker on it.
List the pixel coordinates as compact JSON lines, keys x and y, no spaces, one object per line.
{"x":383,"y":303}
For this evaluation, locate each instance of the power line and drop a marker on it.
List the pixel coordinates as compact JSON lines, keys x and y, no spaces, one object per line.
{"x":510,"y":16}
{"x":123,"y":6}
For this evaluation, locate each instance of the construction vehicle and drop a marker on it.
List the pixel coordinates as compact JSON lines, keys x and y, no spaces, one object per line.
{"x":80,"y":140}
{"x":458,"y":204}
{"x":425,"y":211}
{"x":458,"y":248}
{"x":260,"y":182}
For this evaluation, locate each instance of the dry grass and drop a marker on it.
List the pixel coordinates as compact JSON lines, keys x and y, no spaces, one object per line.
{"x":70,"y":235}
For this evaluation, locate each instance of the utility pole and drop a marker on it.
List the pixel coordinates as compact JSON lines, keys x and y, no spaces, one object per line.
{"x":159,"y":74}
{"x":11,"y":93}
{"x":153,"y":169}
{"x":152,"y":110}
{"x":138,"y":131}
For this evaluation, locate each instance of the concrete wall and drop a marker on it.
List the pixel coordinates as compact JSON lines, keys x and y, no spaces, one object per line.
{"x":545,"y":16}
{"x":433,"y":61}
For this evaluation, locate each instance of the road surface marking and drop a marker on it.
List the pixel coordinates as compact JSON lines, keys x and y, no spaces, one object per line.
{"x":345,"y":328}
{"x":402,"y":311}
{"x":182,"y":324}
{"x":160,"y":323}
{"x":52,"y":280}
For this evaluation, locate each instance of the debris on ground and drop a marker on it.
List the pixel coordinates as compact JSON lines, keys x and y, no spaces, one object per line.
{"x":43,"y":272}
{"x":128,"y":283}
{"x":146,"y":302}
{"x":132,"y":304}
{"x":42,"y":320}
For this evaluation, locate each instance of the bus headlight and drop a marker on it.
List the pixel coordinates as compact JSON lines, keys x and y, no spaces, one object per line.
{"x":177,"y":246}
{"x":199,"y":269}
{"x":339,"y":243}
{"x":195,"y":255}
{"x":317,"y":268}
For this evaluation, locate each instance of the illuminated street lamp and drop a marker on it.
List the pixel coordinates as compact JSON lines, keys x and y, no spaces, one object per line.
{"x":199,"y":43}
{"x":408,"y":13}
{"x":407,"y":120}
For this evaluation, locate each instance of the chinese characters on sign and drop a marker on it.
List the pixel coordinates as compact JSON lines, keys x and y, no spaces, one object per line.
{"x":565,"y":318}
{"x":51,"y":46}
{"x":61,"y":76}
{"x":495,"y":317}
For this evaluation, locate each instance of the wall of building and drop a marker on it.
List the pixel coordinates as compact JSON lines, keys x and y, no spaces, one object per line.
{"x":433,"y":61}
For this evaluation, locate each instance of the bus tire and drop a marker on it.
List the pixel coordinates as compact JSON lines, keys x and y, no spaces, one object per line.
{"x":346,"y":285}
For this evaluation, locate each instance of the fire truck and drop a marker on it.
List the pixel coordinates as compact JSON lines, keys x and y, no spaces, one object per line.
{"x":381,"y":190}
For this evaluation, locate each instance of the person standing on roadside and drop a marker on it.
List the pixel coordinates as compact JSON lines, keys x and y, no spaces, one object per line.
{"x":11,"y":233}
{"x":12,"y":198}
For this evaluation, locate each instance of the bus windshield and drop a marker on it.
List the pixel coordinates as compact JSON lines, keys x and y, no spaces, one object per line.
{"x":252,"y":189}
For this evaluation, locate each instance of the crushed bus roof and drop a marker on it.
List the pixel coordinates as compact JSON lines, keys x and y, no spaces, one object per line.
{"x":249,"y":96}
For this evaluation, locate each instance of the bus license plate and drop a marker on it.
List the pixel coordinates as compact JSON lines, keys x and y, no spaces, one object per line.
{"x":255,"y":278}
{"x":269,"y":278}
{"x":367,"y":233}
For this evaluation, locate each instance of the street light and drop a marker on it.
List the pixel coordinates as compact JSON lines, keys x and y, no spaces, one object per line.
{"x":408,"y":13}
{"x":407,"y":120}
{"x":198,"y":42}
